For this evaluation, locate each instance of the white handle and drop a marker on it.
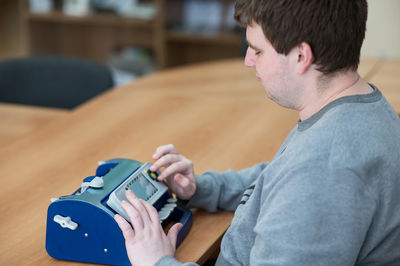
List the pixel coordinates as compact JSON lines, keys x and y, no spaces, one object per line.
{"x":65,"y":222}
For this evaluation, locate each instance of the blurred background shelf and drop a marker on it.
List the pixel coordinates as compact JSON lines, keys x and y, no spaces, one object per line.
{"x":95,"y":19}
{"x":169,"y":37}
{"x":166,"y":37}
{"x":221,"y":37}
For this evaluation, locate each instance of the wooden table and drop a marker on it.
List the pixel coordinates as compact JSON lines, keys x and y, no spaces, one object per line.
{"x":18,"y":121}
{"x":217,"y":114}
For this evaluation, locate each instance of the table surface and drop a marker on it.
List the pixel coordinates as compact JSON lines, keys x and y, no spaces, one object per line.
{"x":217,"y":115}
{"x":18,"y":121}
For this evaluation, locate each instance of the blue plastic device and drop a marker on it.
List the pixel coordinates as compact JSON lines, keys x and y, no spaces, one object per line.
{"x":81,"y":227}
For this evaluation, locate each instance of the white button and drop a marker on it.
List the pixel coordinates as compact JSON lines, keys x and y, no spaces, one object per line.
{"x":170,"y":205}
{"x":172,"y":200}
{"x":164,"y":215}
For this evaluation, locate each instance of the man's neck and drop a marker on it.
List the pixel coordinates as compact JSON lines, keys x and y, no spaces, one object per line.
{"x":325,"y":92}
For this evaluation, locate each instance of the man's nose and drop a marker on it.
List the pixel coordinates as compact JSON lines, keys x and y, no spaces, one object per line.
{"x":249,"y":58}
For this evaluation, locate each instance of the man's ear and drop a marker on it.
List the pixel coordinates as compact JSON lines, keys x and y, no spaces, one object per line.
{"x":304,"y":57}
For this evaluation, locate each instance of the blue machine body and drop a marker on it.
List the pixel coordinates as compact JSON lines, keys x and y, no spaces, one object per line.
{"x":90,"y":233}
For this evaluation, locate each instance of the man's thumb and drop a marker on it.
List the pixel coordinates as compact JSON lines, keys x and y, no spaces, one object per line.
{"x":173,"y":233}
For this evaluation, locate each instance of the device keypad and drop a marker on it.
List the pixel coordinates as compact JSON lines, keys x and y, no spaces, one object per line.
{"x":167,"y":209}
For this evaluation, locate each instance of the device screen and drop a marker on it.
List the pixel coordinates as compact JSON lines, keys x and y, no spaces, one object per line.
{"x":142,"y":187}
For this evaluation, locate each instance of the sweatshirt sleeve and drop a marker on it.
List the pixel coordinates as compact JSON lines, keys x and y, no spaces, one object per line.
{"x":171,"y":261}
{"x":223,"y":190}
{"x":309,"y":220}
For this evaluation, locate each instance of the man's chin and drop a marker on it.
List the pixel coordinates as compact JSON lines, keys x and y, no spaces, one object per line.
{"x":282,"y":103}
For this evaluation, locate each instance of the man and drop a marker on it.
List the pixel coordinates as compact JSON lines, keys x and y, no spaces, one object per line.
{"x":331,"y":195}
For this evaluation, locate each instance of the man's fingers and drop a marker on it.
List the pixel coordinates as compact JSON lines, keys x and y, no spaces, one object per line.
{"x":138,"y":206}
{"x":182,"y":180}
{"x":178,"y":167}
{"x":165,"y":149}
{"x":173,"y":233}
{"x":184,"y":187}
{"x":165,"y":161}
{"x":125,"y":227}
{"x":134,"y":216}
{"x":153,"y":214}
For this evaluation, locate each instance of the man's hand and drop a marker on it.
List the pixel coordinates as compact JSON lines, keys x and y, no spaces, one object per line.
{"x":146,"y":242}
{"x":178,"y":171}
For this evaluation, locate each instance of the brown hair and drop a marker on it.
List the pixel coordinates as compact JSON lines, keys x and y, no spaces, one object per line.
{"x":335,"y":29}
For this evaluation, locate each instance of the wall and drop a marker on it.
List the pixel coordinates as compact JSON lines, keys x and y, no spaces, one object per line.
{"x":383,"y":29}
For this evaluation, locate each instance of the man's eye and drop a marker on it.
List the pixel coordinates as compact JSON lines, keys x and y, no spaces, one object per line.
{"x":258,"y":52}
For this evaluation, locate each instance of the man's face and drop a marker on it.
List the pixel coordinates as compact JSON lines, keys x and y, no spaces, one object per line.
{"x":273,"y":70}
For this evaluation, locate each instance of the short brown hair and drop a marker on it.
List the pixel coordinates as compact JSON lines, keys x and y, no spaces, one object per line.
{"x":334,"y":29}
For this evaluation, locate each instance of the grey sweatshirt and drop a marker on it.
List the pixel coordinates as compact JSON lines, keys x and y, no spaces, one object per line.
{"x":330,"y":196}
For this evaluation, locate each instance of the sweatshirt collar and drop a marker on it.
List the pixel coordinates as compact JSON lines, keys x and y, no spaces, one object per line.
{"x":374,"y":96}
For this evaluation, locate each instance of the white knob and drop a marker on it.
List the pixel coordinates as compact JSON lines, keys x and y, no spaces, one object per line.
{"x":65,"y":222}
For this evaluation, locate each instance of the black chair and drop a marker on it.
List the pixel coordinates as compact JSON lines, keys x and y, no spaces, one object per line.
{"x":52,"y":81}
